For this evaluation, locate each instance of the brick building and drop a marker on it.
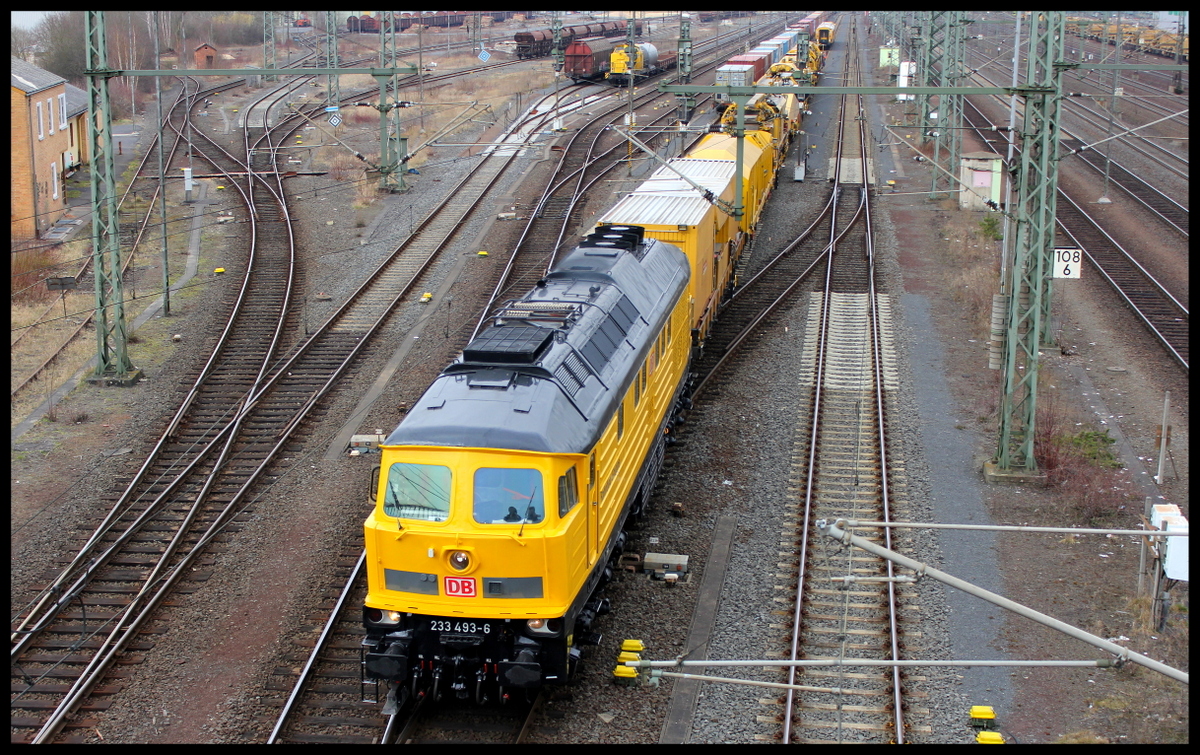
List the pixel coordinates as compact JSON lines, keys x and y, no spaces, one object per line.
{"x":206,"y":57}
{"x":49,"y":143}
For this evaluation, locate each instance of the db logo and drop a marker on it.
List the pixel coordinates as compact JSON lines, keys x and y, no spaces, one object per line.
{"x":460,"y":587}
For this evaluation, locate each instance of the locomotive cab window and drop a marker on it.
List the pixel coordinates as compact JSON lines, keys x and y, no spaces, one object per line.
{"x":568,"y":492}
{"x":508,"y":496}
{"x":417,"y":491}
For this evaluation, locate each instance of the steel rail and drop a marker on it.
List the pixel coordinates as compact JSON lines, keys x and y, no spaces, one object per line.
{"x":881,"y":430}
{"x":1122,"y":256}
{"x":119,"y":508}
{"x":1130,"y":297}
{"x":876,"y":351}
{"x":273,"y":737}
{"x":813,"y":445}
{"x":140,"y":606}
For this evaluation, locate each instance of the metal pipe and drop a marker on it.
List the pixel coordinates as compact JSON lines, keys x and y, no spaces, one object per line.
{"x":1007,"y":528}
{"x":837,"y":533}
{"x":655,"y":673}
{"x":771,"y":663}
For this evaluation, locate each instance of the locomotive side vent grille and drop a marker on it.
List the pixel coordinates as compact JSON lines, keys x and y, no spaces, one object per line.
{"x":572,"y":373}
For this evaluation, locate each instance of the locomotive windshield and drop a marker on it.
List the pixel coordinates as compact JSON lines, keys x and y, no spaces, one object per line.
{"x":418,"y":491}
{"x":508,"y":496}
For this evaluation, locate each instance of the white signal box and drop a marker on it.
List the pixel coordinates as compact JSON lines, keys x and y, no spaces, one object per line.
{"x":1175,"y":557}
{"x":1160,"y":511}
{"x":1167,"y":517}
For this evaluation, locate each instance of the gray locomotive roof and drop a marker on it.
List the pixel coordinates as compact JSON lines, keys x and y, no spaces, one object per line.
{"x":556,"y":394}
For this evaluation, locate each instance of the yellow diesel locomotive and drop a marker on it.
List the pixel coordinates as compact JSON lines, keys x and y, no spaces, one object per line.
{"x":502,"y":496}
{"x":503,"y":492}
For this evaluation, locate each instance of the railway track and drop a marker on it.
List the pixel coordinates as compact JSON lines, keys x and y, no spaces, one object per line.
{"x":224,"y":438}
{"x":1164,"y":315}
{"x":844,"y":467}
{"x":180,"y":499}
{"x":1161,"y":312}
{"x":843,"y":605}
{"x":327,"y":703}
{"x":1167,"y":209}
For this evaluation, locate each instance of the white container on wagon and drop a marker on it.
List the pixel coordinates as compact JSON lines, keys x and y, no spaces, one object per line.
{"x":734,"y":75}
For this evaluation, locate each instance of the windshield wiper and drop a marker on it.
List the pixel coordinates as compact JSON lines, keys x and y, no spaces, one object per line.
{"x":528,"y":510}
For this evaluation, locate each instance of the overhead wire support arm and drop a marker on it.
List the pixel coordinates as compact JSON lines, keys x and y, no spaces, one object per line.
{"x":317,"y":125}
{"x":397,"y":71}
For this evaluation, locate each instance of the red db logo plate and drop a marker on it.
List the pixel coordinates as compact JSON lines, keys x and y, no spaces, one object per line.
{"x":460,"y":587}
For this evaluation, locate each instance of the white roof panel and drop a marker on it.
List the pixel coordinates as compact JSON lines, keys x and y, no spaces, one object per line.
{"x":666,"y":199}
{"x":657,"y":209}
{"x":713,"y":175}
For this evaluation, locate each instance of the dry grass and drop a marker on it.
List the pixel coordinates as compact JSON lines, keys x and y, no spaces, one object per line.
{"x":1077,"y":461}
{"x":31,"y":302}
{"x":365,"y":191}
{"x":975,"y":258}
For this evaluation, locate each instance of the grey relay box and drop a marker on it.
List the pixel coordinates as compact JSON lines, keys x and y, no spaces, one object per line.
{"x":665,"y":562}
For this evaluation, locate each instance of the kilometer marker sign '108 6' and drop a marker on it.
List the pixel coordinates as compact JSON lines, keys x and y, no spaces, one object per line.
{"x":1067,"y":262}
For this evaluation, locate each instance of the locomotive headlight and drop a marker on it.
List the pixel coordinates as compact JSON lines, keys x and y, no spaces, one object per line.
{"x":379,"y":616}
{"x":544,"y":627}
{"x":460,"y":560}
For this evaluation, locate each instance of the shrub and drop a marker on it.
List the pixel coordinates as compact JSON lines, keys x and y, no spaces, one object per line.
{"x":1080,"y":465}
{"x":990,"y":228}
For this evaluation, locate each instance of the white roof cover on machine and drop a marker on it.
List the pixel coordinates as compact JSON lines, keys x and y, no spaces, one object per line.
{"x":666,"y":199}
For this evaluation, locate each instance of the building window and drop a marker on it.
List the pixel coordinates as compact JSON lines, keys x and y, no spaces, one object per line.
{"x":54,"y":180}
{"x":62,"y":111}
{"x":41,"y":122}
{"x":50,"y":112}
